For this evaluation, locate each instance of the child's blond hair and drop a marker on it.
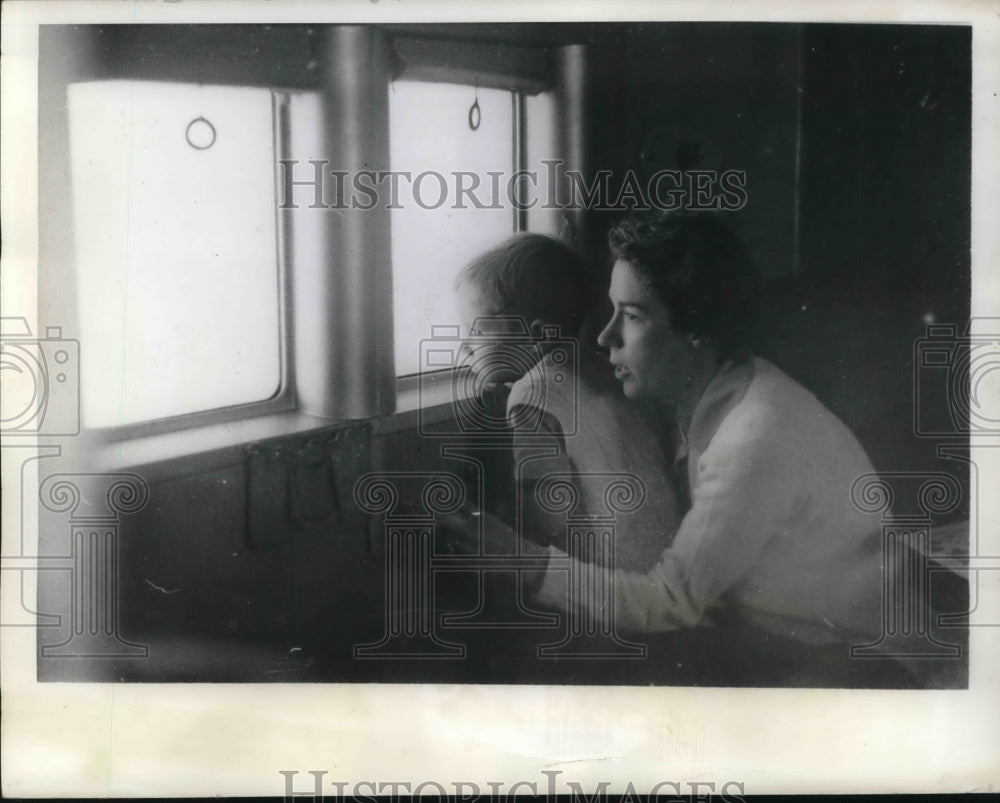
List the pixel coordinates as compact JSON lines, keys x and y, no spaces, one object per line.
{"x":534,"y":276}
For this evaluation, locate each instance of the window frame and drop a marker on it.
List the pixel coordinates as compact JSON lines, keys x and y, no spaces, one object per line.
{"x":527,"y":71}
{"x":410,"y":383}
{"x":284,"y":69}
{"x":284,"y":398}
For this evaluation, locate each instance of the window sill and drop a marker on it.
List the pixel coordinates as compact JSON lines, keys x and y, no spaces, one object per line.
{"x":206,"y":448}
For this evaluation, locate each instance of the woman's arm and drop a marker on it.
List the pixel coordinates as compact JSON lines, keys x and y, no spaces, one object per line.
{"x":739,"y":501}
{"x":743,"y":490}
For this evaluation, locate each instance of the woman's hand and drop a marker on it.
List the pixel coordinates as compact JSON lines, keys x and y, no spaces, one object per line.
{"x":469,"y":531}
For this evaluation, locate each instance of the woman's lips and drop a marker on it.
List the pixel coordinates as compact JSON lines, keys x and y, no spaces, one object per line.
{"x":621,"y":372}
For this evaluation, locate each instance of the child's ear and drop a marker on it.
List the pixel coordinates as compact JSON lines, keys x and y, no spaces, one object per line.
{"x":537,"y":328}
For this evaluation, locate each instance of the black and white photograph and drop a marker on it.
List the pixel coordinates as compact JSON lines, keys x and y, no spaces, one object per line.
{"x":614,"y":375}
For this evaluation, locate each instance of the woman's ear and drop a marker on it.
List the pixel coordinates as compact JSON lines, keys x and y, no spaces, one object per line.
{"x":537,"y":328}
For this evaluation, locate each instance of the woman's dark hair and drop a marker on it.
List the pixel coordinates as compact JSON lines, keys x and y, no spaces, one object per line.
{"x":699,"y":268}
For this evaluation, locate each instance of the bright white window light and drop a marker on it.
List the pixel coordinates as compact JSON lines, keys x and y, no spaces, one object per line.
{"x":175,"y":235}
{"x":429,"y":132}
{"x":544,"y":217}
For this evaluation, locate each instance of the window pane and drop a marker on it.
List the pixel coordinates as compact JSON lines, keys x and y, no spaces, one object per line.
{"x":174,"y":215}
{"x":543,"y":148}
{"x":429,"y":132}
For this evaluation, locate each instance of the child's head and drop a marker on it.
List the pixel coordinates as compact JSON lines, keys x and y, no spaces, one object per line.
{"x":528,"y":282}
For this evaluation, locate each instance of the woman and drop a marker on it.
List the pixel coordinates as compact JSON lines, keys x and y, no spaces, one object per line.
{"x":771,"y":544}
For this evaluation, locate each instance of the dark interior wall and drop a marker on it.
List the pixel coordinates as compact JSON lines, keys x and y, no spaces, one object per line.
{"x":729,"y":90}
{"x":214,"y":602}
{"x":855,"y":140}
{"x":887,"y":161}
{"x":884,"y":226}
{"x":880,"y":143}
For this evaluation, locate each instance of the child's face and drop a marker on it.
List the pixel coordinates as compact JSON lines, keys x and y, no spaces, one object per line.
{"x":490,"y":347}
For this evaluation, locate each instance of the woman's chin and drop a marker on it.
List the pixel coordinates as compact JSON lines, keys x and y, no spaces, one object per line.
{"x":630,"y":388}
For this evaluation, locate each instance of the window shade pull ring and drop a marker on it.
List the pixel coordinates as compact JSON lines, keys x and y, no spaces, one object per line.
{"x":200,"y":134}
{"x":475,"y":113}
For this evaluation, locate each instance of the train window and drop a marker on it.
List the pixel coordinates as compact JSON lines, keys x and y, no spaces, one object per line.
{"x":435,"y":233}
{"x":176,"y":247}
{"x":459,"y":146}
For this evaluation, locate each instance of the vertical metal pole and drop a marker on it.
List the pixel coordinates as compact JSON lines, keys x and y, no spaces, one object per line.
{"x":520,"y":159}
{"x":284,"y":242}
{"x":572,"y":85}
{"x":358,"y":325}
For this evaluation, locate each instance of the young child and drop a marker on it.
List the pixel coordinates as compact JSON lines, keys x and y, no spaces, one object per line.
{"x":567,"y":411}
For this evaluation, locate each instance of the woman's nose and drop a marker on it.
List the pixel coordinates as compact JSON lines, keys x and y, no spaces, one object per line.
{"x":608,"y":338}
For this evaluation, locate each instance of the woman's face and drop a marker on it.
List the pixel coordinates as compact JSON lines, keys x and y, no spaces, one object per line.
{"x":651,"y":360}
